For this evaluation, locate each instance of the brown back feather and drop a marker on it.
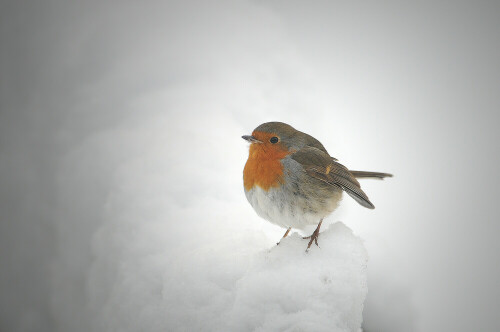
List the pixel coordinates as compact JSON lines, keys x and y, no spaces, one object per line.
{"x":318,"y":164}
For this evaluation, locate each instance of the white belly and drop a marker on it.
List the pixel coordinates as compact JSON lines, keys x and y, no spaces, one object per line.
{"x":298,"y":212}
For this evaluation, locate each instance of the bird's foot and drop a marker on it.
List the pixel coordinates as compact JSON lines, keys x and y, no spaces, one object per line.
{"x":314,"y":236}
{"x":284,"y":236}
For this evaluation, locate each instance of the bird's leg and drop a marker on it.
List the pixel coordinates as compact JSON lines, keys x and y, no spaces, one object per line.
{"x":314,"y":236}
{"x":284,"y":236}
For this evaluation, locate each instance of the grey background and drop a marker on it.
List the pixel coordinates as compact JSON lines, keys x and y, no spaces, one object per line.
{"x":407,"y":88}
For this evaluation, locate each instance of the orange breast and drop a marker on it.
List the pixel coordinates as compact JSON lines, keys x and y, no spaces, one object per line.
{"x":263,"y":167}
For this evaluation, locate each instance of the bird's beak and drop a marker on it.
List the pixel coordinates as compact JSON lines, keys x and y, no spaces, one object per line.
{"x":251,"y":139}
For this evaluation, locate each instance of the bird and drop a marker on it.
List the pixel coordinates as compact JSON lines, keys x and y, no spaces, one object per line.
{"x":291,"y":181}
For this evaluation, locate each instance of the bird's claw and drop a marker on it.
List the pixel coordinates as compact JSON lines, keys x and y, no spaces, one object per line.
{"x":313,"y":238}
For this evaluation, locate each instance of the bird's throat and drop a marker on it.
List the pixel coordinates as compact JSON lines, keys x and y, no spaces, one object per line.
{"x":263,"y":167}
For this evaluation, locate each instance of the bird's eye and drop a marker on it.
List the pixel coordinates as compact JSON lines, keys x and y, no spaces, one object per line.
{"x":274,"y":140}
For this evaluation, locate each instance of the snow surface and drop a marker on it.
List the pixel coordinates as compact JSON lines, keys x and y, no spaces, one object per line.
{"x":240,"y":285}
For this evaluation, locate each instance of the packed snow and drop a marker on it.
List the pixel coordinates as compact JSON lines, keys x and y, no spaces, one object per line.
{"x":238,"y":284}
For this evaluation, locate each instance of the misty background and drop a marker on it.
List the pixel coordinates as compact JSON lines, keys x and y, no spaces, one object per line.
{"x":120,"y":148}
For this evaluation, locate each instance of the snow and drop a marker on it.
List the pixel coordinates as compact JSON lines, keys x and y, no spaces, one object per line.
{"x":288,"y":289}
{"x":240,"y":284}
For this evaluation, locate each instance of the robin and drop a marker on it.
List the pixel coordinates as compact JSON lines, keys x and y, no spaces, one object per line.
{"x":292,"y":181}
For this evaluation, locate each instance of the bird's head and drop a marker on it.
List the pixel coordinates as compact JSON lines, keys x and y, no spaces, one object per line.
{"x":273,"y":137}
{"x":269,"y":144}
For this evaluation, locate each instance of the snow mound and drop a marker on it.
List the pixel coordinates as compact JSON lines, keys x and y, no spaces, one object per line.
{"x":287,"y":289}
{"x":231,"y":286}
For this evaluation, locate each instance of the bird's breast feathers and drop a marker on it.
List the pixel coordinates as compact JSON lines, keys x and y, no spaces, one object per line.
{"x":264,"y":168}
{"x":288,"y":205}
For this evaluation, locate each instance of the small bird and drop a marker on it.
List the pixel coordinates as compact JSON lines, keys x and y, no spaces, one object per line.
{"x":292,"y":181}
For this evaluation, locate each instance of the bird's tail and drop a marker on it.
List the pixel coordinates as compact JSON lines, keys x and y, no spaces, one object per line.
{"x":373,"y":175}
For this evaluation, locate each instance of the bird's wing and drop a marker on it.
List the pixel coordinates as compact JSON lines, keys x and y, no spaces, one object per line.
{"x":370,"y":175}
{"x":321,"y":166}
